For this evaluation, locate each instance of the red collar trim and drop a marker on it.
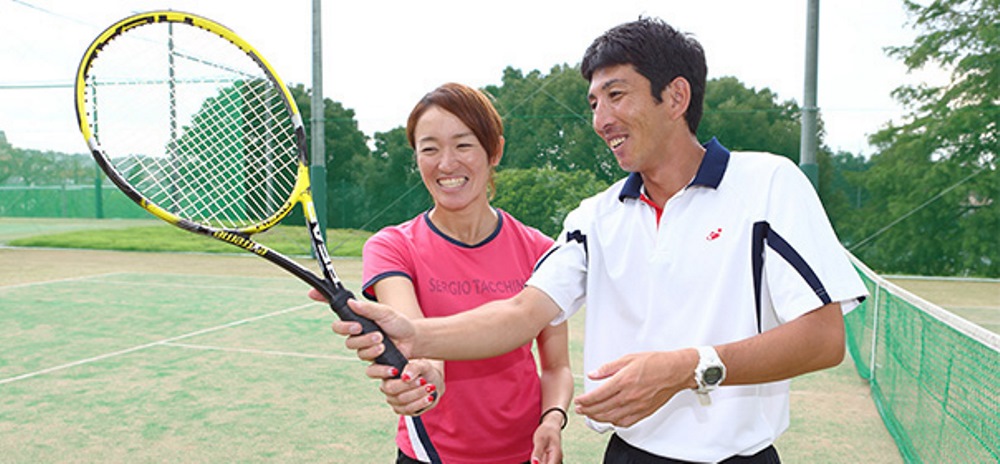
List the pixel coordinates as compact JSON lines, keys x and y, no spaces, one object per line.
{"x":656,"y":207}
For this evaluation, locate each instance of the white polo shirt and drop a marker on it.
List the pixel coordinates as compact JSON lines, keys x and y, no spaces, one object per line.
{"x":691,"y":281}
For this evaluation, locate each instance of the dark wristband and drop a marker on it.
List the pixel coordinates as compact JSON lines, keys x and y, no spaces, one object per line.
{"x":565,"y":418}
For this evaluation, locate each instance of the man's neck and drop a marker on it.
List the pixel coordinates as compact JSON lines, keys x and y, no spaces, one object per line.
{"x":679,"y":166}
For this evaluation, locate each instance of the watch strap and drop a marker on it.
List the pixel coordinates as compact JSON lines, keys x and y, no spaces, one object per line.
{"x":707,"y":358}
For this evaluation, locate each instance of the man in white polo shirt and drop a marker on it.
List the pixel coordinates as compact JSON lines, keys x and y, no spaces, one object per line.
{"x":711,"y":278}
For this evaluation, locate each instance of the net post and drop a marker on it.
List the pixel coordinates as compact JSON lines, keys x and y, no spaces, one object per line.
{"x":876,"y":303}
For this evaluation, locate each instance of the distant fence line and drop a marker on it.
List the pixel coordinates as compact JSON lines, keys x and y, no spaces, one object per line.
{"x":68,"y":201}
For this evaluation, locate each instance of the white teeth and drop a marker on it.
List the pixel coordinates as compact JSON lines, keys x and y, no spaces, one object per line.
{"x":616,"y":142}
{"x":451,"y":182}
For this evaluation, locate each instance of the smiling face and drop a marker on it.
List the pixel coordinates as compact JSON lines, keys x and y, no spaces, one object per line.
{"x":632,"y":123}
{"x":453,"y":164}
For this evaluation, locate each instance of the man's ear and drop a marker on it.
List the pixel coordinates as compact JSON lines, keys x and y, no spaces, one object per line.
{"x":677,"y":94}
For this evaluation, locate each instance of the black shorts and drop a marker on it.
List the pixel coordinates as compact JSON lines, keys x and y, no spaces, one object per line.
{"x":620,"y":452}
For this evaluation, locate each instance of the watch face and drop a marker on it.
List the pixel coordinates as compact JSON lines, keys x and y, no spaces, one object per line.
{"x":712,"y":375}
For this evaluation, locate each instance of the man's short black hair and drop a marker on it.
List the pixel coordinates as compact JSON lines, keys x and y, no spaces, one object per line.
{"x":659,"y":53}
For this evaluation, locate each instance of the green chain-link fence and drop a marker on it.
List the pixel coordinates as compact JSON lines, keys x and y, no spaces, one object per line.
{"x":68,"y":201}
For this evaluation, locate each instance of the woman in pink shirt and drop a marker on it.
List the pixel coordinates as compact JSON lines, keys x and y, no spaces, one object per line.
{"x":456,"y":256}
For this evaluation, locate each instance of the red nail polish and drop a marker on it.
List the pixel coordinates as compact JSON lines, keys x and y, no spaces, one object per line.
{"x":423,"y":381}
{"x":406,"y":377}
{"x":430,"y":388}
{"x":430,"y":399}
{"x":393,"y":372}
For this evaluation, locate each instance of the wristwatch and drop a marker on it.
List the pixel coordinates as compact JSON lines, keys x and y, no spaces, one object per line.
{"x":709,"y":373}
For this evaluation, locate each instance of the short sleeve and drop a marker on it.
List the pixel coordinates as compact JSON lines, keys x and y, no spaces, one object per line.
{"x":805,"y":265}
{"x":562,"y":271}
{"x":384,"y":255}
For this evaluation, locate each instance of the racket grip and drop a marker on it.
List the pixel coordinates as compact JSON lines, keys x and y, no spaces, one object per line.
{"x":391,"y":356}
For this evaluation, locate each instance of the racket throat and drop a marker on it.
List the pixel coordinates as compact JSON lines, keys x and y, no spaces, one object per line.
{"x":241,"y":240}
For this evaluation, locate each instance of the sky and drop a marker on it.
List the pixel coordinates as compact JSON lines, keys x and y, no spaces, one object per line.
{"x":381,"y":56}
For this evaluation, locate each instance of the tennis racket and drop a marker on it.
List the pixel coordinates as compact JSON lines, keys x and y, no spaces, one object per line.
{"x":193,"y":124}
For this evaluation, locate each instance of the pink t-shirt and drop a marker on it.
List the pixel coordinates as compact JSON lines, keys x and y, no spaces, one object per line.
{"x":490,"y":408}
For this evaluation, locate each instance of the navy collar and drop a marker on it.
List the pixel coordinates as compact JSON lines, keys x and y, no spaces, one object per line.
{"x":434,"y":228}
{"x":713,"y":167}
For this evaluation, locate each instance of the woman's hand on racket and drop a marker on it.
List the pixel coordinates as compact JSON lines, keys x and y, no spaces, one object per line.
{"x":414,"y":392}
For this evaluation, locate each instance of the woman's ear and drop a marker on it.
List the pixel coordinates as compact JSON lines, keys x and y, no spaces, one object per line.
{"x":495,"y":159}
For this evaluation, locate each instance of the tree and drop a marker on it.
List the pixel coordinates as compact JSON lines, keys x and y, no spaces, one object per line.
{"x":547,"y":123}
{"x":542,"y":197}
{"x":391,"y":182}
{"x":6,"y":158}
{"x":747,"y":119}
{"x":345,"y":147}
{"x":934,"y":185}
{"x":36,"y":167}
{"x":843,"y":193}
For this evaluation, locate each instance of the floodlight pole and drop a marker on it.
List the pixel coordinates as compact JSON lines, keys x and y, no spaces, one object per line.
{"x":317,"y":171}
{"x":810,"y":135}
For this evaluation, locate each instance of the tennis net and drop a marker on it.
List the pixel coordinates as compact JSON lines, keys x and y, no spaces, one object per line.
{"x":934,"y":376}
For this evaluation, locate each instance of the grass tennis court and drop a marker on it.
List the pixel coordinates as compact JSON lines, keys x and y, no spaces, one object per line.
{"x":153,"y":357}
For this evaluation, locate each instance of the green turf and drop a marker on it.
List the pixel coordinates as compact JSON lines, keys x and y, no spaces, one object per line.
{"x":144,"y":367}
{"x":179,"y":363}
{"x":249,"y":372}
{"x":288,"y":240}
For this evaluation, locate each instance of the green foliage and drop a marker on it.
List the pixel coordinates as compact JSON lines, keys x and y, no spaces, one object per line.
{"x":934,"y":185}
{"x":541,"y":197}
{"x":346,"y":147}
{"x":547,"y":123}
{"x":840,"y":178}
{"x":29,"y":167}
{"x":389,"y":176}
{"x":960,"y":119}
{"x":6,"y":158}
{"x":750,"y":120}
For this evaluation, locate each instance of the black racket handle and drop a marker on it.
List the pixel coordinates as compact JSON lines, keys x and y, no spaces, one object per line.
{"x":391,"y":356}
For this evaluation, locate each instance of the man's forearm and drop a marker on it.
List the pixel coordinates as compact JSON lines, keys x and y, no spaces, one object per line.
{"x":812,"y":342}
{"x":490,"y":330}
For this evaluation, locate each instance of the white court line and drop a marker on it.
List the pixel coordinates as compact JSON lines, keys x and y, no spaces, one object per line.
{"x":56,"y":281}
{"x":188,"y":285}
{"x":152,"y":344}
{"x":267,"y":352}
{"x":126,"y":282}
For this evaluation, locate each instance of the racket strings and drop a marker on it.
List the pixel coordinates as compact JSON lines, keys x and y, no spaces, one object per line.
{"x":260,"y":147}
{"x":194,"y":124}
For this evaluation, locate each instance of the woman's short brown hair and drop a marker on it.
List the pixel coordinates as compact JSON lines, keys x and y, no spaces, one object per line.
{"x":469,"y":105}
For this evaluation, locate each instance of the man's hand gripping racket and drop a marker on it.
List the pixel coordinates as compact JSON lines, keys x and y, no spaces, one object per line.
{"x":193,"y":125}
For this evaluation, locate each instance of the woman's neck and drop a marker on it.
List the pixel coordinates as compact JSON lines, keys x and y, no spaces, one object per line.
{"x":469,"y":226}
